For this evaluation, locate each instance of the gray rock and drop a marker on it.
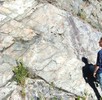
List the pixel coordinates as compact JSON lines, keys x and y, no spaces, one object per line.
{"x":6,"y":73}
{"x":51,"y":42}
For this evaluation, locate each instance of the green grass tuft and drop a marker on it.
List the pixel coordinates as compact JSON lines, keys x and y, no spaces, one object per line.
{"x":20,"y":73}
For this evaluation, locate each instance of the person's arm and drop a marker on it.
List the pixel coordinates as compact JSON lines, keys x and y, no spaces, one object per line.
{"x":95,"y":71}
{"x":97,"y":65}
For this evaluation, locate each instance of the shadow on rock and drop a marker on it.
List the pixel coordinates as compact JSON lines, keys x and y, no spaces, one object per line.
{"x":88,"y":70}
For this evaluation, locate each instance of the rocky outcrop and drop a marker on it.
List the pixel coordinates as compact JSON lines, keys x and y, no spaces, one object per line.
{"x":89,"y":10}
{"x":51,"y":42}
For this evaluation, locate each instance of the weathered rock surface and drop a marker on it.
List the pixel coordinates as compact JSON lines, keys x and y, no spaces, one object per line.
{"x":39,"y":89}
{"x":89,"y":10}
{"x":51,"y":42}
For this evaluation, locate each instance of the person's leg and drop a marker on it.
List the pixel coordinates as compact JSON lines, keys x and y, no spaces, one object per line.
{"x":99,"y":76}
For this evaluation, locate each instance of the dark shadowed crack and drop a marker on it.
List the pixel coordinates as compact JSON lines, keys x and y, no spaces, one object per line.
{"x":4,"y":49}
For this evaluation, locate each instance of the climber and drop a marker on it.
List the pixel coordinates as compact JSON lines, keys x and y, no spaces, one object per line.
{"x":98,"y":66}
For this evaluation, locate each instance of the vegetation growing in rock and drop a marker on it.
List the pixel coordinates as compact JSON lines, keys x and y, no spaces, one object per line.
{"x":20,"y":73}
{"x":82,"y":14}
{"x":80,"y":98}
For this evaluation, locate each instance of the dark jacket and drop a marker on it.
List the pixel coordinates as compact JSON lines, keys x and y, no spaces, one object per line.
{"x":99,"y":61}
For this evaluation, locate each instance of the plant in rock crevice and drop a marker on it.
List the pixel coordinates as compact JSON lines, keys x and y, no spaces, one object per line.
{"x":20,"y":75}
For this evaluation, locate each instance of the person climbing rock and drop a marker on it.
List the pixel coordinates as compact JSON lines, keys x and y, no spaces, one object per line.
{"x":98,"y":67}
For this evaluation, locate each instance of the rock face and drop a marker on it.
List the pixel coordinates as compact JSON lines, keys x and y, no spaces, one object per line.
{"x":89,"y":10}
{"x":51,"y":42}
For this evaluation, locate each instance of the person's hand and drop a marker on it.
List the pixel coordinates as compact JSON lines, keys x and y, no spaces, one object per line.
{"x":94,"y":75}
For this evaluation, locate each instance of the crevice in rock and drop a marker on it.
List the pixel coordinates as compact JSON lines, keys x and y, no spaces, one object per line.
{"x":35,"y":76}
{"x":4,"y":49}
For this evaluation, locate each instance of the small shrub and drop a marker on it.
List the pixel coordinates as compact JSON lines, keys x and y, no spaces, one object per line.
{"x":20,"y":73}
{"x":82,"y":14}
